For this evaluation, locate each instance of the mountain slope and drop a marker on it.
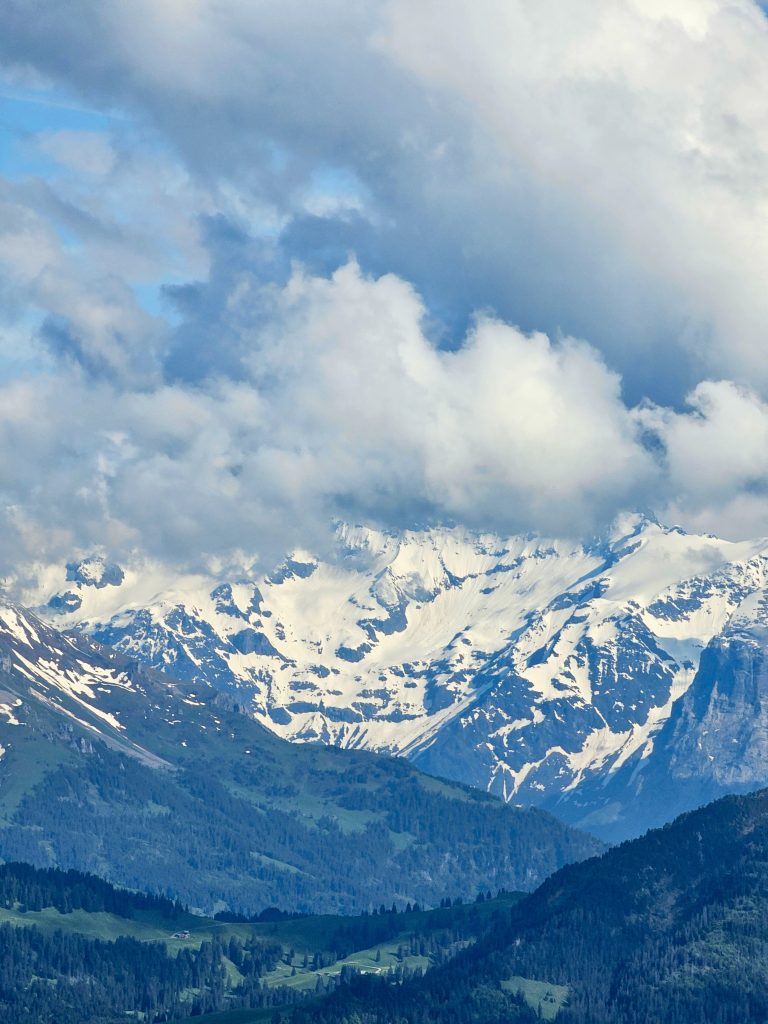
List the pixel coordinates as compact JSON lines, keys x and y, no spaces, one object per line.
{"x":672,"y":927}
{"x":109,"y":767}
{"x":716,"y":738}
{"x":534,"y":669}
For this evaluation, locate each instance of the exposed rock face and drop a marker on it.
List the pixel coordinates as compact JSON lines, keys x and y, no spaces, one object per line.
{"x":719,"y":729}
{"x":714,"y":742}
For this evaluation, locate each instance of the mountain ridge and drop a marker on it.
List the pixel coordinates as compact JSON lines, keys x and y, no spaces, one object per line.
{"x":535,"y":669}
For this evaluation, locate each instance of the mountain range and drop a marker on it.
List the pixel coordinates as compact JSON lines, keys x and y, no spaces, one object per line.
{"x":590,"y":679}
{"x":109,"y":767}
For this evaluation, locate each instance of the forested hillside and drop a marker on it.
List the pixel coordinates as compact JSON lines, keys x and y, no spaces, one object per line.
{"x":672,"y":927}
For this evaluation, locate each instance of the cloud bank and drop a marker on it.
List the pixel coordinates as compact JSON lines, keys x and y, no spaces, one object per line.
{"x":494,"y":263}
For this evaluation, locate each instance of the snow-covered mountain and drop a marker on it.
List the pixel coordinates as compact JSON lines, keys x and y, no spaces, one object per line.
{"x":540,"y":670}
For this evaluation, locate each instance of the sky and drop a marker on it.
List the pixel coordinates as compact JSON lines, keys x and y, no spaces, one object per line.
{"x":269,"y":265}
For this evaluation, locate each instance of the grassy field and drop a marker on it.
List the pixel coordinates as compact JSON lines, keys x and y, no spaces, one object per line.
{"x":546,"y":999}
{"x":145,"y":926}
{"x":375,"y":960}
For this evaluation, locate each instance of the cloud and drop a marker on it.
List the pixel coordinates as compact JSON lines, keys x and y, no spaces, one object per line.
{"x":87,"y":152}
{"x":337,"y":262}
{"x":345,"y":408}
{"x":508,"y":428}
{"x":78,"y":247}
{"x":716,"y":458}
{"x":600,"y":171}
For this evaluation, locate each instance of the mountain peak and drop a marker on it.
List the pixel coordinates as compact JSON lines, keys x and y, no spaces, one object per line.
{"x":95,"y":571}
